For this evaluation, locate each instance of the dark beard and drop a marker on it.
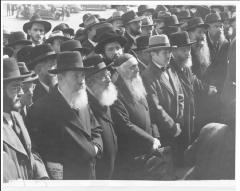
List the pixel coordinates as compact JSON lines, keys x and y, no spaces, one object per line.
{"x":135,"y":33}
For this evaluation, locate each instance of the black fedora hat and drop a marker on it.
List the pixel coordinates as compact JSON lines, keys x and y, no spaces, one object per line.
{"x":95,"y":63}
{"x":37,"y":19}
{"x":11,"y":70}
{"x":108,"y":38}
{"x":23,"y":55}
{"x":24,"y":71}
{"x":90,"y":22}
{"x":184,"y":14}
{"x":171,"y":21}
{"x":142,"y":43}
{"x":130,"y":17}
{"x":68,"y":61}
{"x":39,"y":53}
{"x":161,"y":15}
{"x":144,"y":8}
{"x":85,"y":16}
{"x":101,"y":29}
{"x":202,"y":11}
{"x":18,"y":37}
{"x":180,"y":39}
{"x":73,"y":45}
{"x":196,"y":22}
{"x":64,"y":27}
{"x":170,"y":30}
{"x":213,"y":18}
{"x":56,"y":35}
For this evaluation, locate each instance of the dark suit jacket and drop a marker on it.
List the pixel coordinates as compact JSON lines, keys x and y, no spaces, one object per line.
{"x":87,"y":44}
{"x":105,"y":165}
{"x":166,"y":99}
{"x":39,"y":91}
{"x":130,"y":42}
{"x":134,"y":128}
{"x":63,"y":136}
{"x":19,"y":161}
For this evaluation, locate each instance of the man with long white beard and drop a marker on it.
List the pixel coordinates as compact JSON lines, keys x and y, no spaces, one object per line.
{"x":182,"y":62}
{"x":137,"y":135}
{"x":62,"y":125}
{"x":102,"y":93}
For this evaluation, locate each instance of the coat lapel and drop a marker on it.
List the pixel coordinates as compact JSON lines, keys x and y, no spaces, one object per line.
{"x":10,"y":137}
{"x":68,"y":113}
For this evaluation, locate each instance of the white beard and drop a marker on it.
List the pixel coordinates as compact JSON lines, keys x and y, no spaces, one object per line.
{"x":108,"y":96}
{"x":136,"y":87}
{"x":79,"y":99}
{"x":203,"y":55}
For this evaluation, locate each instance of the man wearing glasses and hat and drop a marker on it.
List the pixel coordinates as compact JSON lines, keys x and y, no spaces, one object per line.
{"x":36,"y":29}
{"x":64,"y":129}
{"x":165,"y":94}
{"x":19,"y":162}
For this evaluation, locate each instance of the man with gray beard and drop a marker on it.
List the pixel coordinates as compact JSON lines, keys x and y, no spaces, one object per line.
{"x":102,"y":93}
{"x":191,"y":85}
{"x":62,"y":125}
{"x":137,"y":135}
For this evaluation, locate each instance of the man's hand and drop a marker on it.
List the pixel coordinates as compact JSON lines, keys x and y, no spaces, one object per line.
{"x":212,"y":90}
{"x":156,"y":144}
{"x":178,"y":132}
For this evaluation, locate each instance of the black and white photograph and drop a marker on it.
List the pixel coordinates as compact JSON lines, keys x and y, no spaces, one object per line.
{"x":134,"y":92}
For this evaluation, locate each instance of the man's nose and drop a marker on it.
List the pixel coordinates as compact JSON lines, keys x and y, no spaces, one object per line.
{"x":20,"y":92}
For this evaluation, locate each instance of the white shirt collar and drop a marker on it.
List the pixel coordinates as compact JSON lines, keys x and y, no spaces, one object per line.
{"x":93,"y":43}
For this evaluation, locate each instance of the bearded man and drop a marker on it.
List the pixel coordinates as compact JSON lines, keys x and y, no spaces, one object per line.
{"x":102,"y":93}
{"x":63,"y":127}
{"x":137,"y":135}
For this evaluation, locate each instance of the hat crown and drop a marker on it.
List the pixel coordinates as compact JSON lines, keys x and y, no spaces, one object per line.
{"x":143,"y":8}
{"x":35,"y":17}
{"x":170,"y":30}
{"x":69,"y":60}
{"x":10,"y":68}
{"x":212,"y":18}
{"x":195,"y":21}
{"x":202,"y":11}
{"x":56,"y":33}
{"x":85,"y":16}
{"x":161,"y":40}
{"x":163,"y":14}
{"x":161,"y":8}
{"x":90,"y":21}
{"x":103,"y":29}
{"x":70,"y":45}
{"x":147,"y":21}
{"x":179,"y":39}
{"x":16,"y":36}
{"x":23,"y":68}
{"x":93,"y":61}
{"x":23,"y":55}
{"x":40,"y":50}
{"x":142,"y":41}
{"x":184,"y":14}
{"x":171,"y":20}
{"x":128,"y":16}
{"x":225,"y":15}
{"x":60,"y":27}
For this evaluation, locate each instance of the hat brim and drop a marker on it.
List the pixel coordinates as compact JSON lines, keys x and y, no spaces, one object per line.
{"x":175,"y":25}
{"x":93,"y":25}
{"x":188,"y":44}
{"x":114,"y":19}
{"x":135,"y":20}
{"x":51,"y":39}
{"x":69,"y":31}
{"x":82,"y":50}
{"x":81,"y":25}
{"x":198,"y":26}
{"x":47,"y":25}
{"x":31,"y":78}
{"x":158,"y":48}
{"x":57,"y":71}
{"x":20,"y":78}
{"x":148,"y":25}
{"x":99,"y":70}
{"x":42,"y":57}
{"x":23,"y":42}
{"x":100,"y":46}
{"x":146,"y":10}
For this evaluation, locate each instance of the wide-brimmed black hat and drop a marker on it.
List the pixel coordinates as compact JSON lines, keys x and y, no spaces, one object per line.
{"x":144,"y":8}
{"x":184,"y":14}
{"x":142,"y":43}
{"x":64,"y":27}
{"x":196,"y":22}
{"x":102,"y":29}
{"x":56,"y":35}
{"x":39,"y":53}
{"x":202,"y":11}
{"x":180,"y":39}
{"x":68,"y":61}
{"x":161,"y":15}
{"x":18,"y":37}
{"x":130,"y":17}
{"x":23,"y":55}
{"x":90,"y":22}
{"x":171,"y":21}
{"x":108,"y":38}
{"x":95,"y":63}
{"x":11,"y":70}
{"x":157,"y":42}
{"x":73,"y":45}
{"x":24,"y":71}
{"x":85,"y":16}
{"x":170,"y":30}
{"x":213,"y":18}
{"x":37,"y":19}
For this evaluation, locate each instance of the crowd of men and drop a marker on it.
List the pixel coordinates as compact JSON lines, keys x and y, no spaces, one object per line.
{"x":131,"y":97}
